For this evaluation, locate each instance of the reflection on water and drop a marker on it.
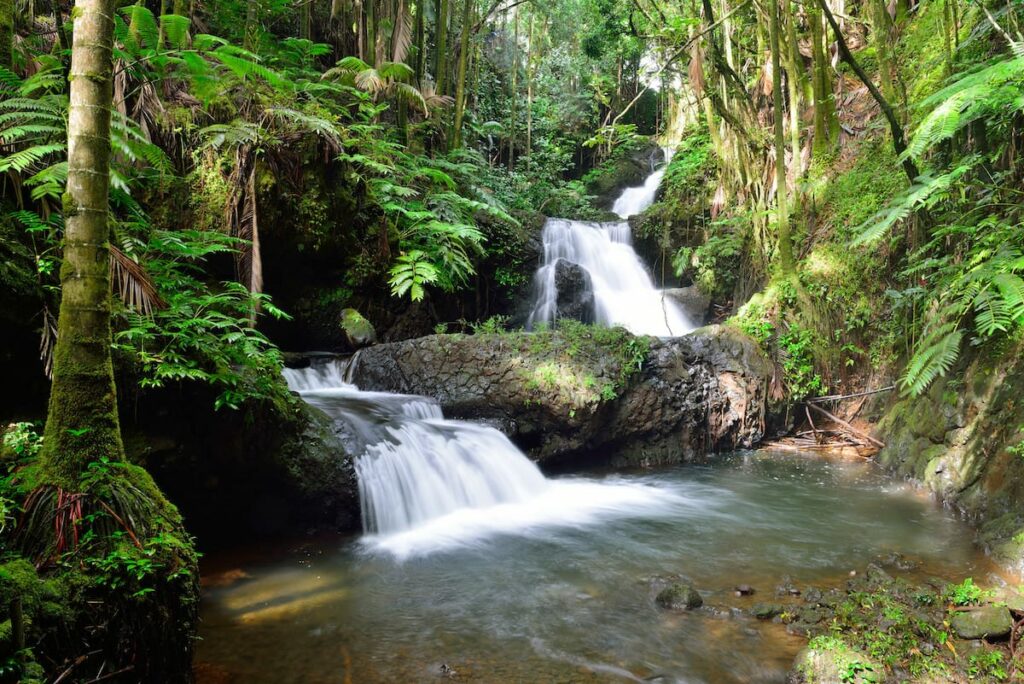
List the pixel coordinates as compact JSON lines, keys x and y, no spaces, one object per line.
{"x":573,"y":601}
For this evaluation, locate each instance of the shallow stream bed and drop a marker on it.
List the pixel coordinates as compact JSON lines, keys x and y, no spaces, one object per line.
{"x":536,"y":593}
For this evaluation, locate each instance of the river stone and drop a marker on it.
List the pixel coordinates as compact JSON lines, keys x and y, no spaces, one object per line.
{"x":679,"y":597}
{"x":358,"y":331}
{"x":767,"y":611}
{"x":986,"y":622}
{"x":694,"y":302}
{"x":575,"y":292}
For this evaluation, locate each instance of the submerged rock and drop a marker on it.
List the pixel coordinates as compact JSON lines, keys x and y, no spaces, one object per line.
{"x":594,"y":393}
{"x":985,"y":622}
{"x":679,"y":597}
{"x":767,"y":611}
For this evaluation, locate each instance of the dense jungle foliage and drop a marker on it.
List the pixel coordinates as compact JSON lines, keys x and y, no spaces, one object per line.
{"x":846,"y":188}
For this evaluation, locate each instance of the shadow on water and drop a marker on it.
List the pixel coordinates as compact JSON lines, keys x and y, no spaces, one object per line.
{"x":573,"y":600}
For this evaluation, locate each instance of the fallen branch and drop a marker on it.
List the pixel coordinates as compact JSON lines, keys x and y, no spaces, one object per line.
{"x":850,"y":428}
{"x":840,"y":397}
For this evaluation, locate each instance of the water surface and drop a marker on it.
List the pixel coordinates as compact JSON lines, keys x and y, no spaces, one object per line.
{"x":532,"y":596}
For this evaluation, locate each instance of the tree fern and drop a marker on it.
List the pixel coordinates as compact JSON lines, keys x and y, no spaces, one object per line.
{"x":936,"y":354}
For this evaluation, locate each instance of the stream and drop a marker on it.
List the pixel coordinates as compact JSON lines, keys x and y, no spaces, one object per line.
{"x":476,"y":566}
{"x":573,"y":600}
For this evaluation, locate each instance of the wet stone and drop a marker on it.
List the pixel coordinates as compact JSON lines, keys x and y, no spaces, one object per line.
{"x":679,"y":597}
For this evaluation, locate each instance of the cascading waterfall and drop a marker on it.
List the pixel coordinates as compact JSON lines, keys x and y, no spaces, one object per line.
{"x":426,"y":482}
{"x":623,"y":291}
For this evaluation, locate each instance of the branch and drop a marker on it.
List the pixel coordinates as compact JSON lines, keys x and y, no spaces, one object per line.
{"x":676,"y":55}
{"x":494,"y":8}
{"x":898,"y":140}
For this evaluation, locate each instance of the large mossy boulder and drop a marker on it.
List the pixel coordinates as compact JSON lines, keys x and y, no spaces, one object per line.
{"x":984,"y":622}
{"x":586,"y":392}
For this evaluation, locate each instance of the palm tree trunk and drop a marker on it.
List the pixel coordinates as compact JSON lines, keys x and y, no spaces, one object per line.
{"x":82,"y":425}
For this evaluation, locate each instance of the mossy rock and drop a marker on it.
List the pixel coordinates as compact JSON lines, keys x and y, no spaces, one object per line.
{"x":358,"y":331}
{"x":985,"y":622}
{"x":679,"y":596}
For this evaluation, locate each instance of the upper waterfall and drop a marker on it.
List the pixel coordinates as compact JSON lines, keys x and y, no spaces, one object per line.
{"x":618,"y":286}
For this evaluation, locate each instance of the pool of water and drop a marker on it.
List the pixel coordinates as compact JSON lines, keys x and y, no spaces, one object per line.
{"x":573,"y":600}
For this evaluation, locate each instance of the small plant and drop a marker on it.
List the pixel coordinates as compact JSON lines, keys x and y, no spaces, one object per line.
{"x":966,"y":593}
{"x":494,"y":325}
{"x":987,"y":664}
{"x":22,"y":440}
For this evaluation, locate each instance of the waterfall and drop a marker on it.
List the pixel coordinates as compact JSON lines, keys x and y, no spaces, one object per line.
{"x":620,"y":286}
{"x":428,"y":483}
{"x":417,"y":465}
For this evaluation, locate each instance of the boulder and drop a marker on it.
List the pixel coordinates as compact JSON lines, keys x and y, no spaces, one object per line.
{"x":985,"y":622}
{"x":695,"y":303}
{"x":359,"y":332}
{"x":679,"y":597}
{"x":566,"y":395}
{"x":575,"y":292}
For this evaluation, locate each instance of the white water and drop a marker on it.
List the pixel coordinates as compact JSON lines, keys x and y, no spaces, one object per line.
{"x":427,"y":483}
{"x":624,"y":293}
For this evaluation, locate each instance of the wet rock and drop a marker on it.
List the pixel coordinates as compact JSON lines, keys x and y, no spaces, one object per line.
{"x":679,"y":597}
{"x":767,"y":611}
{"x":575,"y":292}
{"x":985,"y":622}
{"x":702,"y":392}
{"x":359,"y":332}
{"x":695,"y":303}
{"x":744,"y":590}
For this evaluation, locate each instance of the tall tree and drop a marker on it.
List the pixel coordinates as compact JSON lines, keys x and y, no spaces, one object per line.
{"x":460,"y":78}
{"x":82,"y":425}
{"x":441,"y":47}
{"x":779,"y":113}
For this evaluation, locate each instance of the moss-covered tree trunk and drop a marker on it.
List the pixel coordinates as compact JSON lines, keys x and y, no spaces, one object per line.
{"x":82,"y":424}
{"x":7,"y":34}
{"x":460,"y":78}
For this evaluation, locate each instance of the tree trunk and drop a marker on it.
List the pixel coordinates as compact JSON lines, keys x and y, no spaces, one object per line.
{"x":826,"y":124}
{"x":513,"y":96}
{"x":252,"y":21}
{"x":7,"y":34}
{"x":441,"y":49}
{"x":82,"y":425}
{"x":460,"y":79}
{"x":880,"y":33}
{"x":779,"y":112}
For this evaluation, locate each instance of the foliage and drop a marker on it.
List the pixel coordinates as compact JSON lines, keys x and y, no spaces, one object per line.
{"x":966,"y":593}
{"x":796,"y":347}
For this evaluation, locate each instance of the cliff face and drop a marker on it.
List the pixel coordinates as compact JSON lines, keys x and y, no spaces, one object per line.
{"x":962,"y":440}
